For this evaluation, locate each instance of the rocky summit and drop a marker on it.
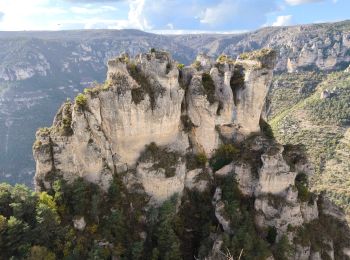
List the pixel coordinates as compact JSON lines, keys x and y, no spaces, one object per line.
{"x":168,"y":131}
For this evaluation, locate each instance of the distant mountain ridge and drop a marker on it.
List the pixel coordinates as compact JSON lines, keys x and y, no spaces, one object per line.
{"x":39,"y":70}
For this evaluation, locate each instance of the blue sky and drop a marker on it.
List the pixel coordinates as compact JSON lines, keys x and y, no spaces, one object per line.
{"x":167,"y":16}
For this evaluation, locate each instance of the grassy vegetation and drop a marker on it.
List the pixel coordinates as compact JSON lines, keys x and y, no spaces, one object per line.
{"x":196,"y":161}
{"x":197,"y":65}
{"x":257,"y":55}
{"x":225,"y":59}
{"x":300,"y":116}
{"x":161,"y":158}
{"x":334,"y":110}
{"x":288,"y":89}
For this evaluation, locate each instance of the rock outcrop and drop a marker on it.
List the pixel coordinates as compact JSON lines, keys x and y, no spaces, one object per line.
{"x":148,"y":99}
{"x":154,"y":124}
{"x":282,"y":202}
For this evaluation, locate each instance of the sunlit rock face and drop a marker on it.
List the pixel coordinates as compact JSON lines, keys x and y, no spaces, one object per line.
{"x":155,"y":123}
{"x":151,"y":99}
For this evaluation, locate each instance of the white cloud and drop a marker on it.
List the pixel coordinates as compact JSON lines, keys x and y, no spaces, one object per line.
{"x":283,"y":20}
{"x":135,"y":15}
{"x":171,"y":26}
{"x":25,"y":15}
{"x":300,"y":2}
{"x":32,"y":14}
{"x":217,"y":13}
{"x":92,"y":10}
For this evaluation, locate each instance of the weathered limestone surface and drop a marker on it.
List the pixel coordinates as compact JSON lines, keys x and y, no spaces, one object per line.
{"x":151,"y":122}
{"x":157,"y":185}
{"x":144,"y":100}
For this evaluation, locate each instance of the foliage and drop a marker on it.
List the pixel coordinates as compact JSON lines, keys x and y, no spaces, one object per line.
{"x":180,"y":66}
{"x":197,"y":215}
{"x":187,"y":123}
{"x":201,"y":159}
{"x":266,"y":129}
{"x":40,"y":225}
{"x":162,"y":158}
{"x":271,"y":235}
{"x":301,"y":183}
{"x":336,"y":109}
{"x":168,"y":242}
{"x":209,"y":87}
{"x":288,"y":89}
{"x":40,"y":253}
{"x":81,"y":100}
{"x":240,"y":214}
{"x":237,"y":81}
{"x":258,"y":54}
{"x":225,"y":59}
{"x":152,"y":90}
{"x":223,"y":156}
{"x":197,"y":65}
{"x":298,"y":115}
{"x":283,"y":249}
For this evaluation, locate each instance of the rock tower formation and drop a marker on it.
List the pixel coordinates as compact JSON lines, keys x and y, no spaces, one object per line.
{"x":149,"y":99}
{"x":152,"y":116}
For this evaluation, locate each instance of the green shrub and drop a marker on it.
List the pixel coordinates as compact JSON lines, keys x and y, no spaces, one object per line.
{"x":44,"y":131}
{"x":180,"y":66}
{"x":266,"y":129}
{"x":152,"y":90}
{"x":202,"y":159}
{"x":223,"y":156}
{"x":187,"y":123}
{"x":283,"y":249}
{"x":209,"y":87}
{"x":37,"y":144}
{"x":240,"y":213}
{"x":137,"y":95}
{"x":301,"y":183}
{"x":81,"y":100}
{"x":197,"y":65}
{"x":237,"y":81}
{"x":161,"y":158}
{"x":271,"y":235}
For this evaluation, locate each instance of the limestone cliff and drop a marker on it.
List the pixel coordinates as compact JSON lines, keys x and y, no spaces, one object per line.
{"x":154,"y":123}
{"x":144,"y":101}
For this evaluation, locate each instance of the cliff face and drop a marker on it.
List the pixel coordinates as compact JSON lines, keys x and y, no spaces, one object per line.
{"x":154,"y":123}
{"x":144,"y":101}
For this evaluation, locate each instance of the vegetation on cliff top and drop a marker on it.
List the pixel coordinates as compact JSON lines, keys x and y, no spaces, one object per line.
{"x":153,"y":90}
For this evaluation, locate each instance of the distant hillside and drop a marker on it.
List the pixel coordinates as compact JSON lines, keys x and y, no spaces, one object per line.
{"x":314,"y":109}
{"x":39,"y":70}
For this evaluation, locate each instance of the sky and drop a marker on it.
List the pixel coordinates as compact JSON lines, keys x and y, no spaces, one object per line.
{"x":167,"y":16}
